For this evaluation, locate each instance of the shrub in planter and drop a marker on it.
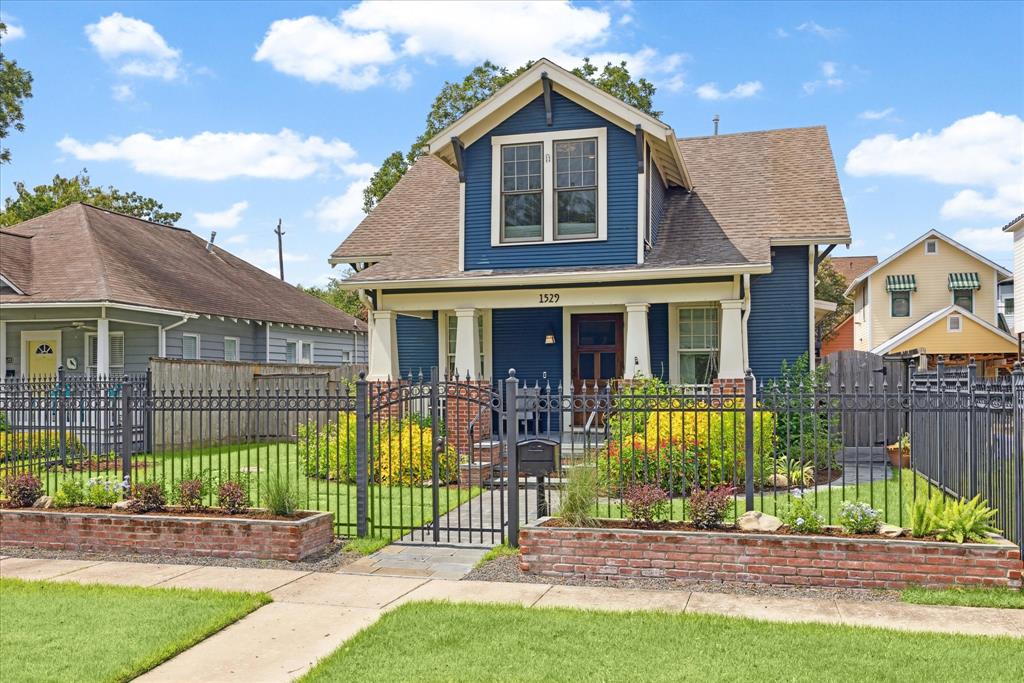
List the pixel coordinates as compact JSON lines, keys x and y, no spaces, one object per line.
{"x":45,"y":444}
{"x":802,"y":517}
{"x":580,"y":498}
{"x":708,"y":508}
{"x":280,"y":497}
{"x":328,"y":451}
{"x":70,"y":493}
{"x":405,"y":455}
{"x":22,"y":490}
{"x":963,"y":521}
{"x":101,"y":492}
{"x":858,"y":518}
{"x":645,"y":504}
{"x":148,"y":497}
{"x":190,"y":494}
{"x":233,"y":497}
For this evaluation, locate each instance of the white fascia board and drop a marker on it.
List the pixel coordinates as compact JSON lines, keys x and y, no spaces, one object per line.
{"x":108,"y":304}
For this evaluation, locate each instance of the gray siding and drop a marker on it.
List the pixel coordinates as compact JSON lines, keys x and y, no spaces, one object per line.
{"x":211,"y":338}
{"x":329,"y":348}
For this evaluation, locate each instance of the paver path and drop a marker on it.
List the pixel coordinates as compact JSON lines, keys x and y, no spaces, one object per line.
{"x":422,"y":561}
{"x":313,"y":612}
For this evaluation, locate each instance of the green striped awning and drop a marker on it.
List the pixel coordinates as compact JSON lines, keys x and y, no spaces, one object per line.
{"x":964,"y":281}
{"x":900,"y":283}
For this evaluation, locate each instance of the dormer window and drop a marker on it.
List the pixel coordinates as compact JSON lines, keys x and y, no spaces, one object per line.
{"x":549,"y":186}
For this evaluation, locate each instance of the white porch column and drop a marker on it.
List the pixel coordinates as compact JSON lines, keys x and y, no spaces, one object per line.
{"x":638,"y":347}
{"x":383,"y":347}
{"x":731,"y":344}
{"x":3,"y":351}
{"x":102,"y":347}
{"x":467,"y":343}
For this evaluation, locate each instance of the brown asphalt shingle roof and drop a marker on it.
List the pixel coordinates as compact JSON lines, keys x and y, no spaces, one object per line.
{"x":852,"y":267}
{"x":84,"y":254}
{"x":749,"y":189}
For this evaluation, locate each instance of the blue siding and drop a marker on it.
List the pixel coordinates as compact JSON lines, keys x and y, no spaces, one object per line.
{"x":417,"y":344}
{"x":619,"y":248}
{"x":657,"y":334}
{"x":779,"y":321}
{"x":517,"y":341}
{"x":657,"y":202}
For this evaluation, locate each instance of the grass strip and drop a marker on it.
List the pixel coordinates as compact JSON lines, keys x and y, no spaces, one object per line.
{"x":1006,"y":598}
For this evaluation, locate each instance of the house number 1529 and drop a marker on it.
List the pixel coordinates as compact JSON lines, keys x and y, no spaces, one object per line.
{"x":548,"y":298}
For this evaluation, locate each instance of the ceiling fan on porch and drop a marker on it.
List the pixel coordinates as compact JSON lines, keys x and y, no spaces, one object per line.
{"x":79,"y":325}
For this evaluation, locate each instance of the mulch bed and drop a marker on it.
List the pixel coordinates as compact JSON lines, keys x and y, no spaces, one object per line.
{"x":686,"y":526}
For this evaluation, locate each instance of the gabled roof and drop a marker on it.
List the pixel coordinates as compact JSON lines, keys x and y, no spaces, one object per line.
{"x":82,"y":254}
{"x":929,"y":235}
{"x":852,"y":267}
{"x":750,"y":191}
{"x":932,"y":318}
{"x":1015,"y":224}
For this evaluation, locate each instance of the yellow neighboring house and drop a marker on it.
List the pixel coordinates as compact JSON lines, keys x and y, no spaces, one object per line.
{"x":933,"y":297}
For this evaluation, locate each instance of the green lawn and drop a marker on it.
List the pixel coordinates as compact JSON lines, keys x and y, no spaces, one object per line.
{"x":393,"y":510}
{"x":965,"y":597}
{"x":443,"y":642}
{"x":58,"y":632}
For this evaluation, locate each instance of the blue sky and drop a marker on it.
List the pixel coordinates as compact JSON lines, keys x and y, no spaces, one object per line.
{"x":238,"y":114}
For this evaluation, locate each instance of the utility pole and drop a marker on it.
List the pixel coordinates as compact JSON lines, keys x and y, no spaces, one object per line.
{"x":280,"y":249}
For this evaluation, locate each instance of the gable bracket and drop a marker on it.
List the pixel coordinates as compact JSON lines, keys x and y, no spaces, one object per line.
{"x":639,"y":149}
{"x":546,"y":82}
{"x":457,"y":148}
{"x":822,"y":256}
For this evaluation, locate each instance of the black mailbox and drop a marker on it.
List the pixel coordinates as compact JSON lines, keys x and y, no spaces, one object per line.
{"x":538,"y":457}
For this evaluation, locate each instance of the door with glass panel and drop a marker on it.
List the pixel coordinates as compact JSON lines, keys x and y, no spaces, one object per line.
{"x":597,"y":352}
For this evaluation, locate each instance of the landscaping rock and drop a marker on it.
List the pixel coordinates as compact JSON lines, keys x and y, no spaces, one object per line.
{"x":122,"y":505}
{"x":890,"y":530}
{"x":778,"y":481}
{"x":758,"y":521}
{"x":43,"y":502}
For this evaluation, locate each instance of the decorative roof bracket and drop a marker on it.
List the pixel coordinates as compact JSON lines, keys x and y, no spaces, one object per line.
{"x":546,"y":82}
{"x":639,"y":149}
{"x":457,"y":148}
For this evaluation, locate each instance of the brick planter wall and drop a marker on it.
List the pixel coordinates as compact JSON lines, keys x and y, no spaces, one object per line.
{"x":610,"y":554}
{"x":168,"y":535}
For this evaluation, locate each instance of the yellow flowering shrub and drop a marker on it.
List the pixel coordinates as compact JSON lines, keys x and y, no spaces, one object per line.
{"x":42,"y":444}
{"x":405,"y":456}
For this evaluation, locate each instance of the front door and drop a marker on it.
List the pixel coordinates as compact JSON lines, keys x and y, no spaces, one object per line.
{"x":42,"y":356}
{"x":596,"y":349}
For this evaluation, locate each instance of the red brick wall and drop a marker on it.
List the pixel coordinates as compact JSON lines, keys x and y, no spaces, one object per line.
{"x":612,"y":554}
{"x":167,"y":535}
{"x":841,"y":340}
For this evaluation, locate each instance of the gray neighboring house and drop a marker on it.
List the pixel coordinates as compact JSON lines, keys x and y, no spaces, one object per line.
{"x":102,"y":293}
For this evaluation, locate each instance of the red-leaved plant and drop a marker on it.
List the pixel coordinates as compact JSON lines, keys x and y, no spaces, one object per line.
{"x":22,"y":490}
{"x":708,"y":508}
{"x":645,"y":504}
{"x":232,"y":497}
{"x":148,"y":497}
{"x":190,"y":494}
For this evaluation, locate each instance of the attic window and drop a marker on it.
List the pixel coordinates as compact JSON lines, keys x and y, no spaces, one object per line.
{"x":953,"y":323}
{"x":931,"y":247}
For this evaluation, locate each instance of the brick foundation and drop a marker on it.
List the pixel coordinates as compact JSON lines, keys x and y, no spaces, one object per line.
{"x":168,"y":535}
{"x":727,"y":385}
{"x":611,"y":554}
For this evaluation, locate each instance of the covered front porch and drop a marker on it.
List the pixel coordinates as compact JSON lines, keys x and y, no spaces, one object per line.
{"x":682,"y":332}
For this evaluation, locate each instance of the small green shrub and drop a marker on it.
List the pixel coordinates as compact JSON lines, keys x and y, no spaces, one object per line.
{"x":233,"y":497}
{"x":965,"y":521}
{"x":22,"y":490}
{"x":148,"y":496}
{"x":804,"y":431}
{"x":580,"y":497}
{"x":101,"y":492}
{"x":328,"y":451}
{"x":4,"y":424}
{"x":280,"y":497}
{"x":802,"y":517}
{"x":645,"y":504}
{"x":924,"y":515}
{"x":858,"y":518}
{"x":708,"y":508}
{"x":69,"y":494}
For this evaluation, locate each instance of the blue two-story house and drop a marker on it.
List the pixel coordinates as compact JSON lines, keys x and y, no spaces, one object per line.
{"x":556,"y":230}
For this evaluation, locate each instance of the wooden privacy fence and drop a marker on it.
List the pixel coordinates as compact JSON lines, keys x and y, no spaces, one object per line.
{"x":863,"y":372}
{"x":197,"y":379}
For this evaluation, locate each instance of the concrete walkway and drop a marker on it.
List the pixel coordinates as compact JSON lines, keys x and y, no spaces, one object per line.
{"x":313,"y":613}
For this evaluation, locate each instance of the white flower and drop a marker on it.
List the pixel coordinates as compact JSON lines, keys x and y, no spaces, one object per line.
{"x":800,"y":521}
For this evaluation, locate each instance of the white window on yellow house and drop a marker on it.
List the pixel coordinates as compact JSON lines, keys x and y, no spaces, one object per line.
{"x":698,"y":345}
{"x":900,"y":288}
{"x":962,"y":285}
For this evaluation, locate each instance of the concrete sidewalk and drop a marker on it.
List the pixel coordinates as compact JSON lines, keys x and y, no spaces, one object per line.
{"x":313,"y":613}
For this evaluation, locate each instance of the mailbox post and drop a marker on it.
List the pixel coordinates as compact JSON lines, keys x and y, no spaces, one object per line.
{"x":538,"y":458}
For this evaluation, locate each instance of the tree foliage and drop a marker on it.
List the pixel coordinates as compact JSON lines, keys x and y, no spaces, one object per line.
{"x":456,"y":99}
{"x":42,"y":199}
{"x":829,"y":286}
{"x":333,"y":294}
{"x":15,"y":88}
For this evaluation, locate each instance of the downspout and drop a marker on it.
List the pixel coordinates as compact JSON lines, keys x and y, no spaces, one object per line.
{"x":163,"y":335}
{"x":267,"y":341}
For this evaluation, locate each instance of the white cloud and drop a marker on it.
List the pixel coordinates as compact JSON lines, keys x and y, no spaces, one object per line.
{"x":985,"y":240}
{"x":876,"y":114}
{"x":267,"y":259}
{"x":710,"y":91}
{"x":134,"y":47}
{"x":984,"y":152}
{"x":222,"y":220}
{"x":781,"y":33}
{"x":663,"y":69}
{"x":14,"y":29}
{"x":341,"y":214}
{"x":122,"y":92}
{"x":817,"y":29}
{"x":830,"y":79}
{"x":217,"y":156}
{"x":240,"y":238}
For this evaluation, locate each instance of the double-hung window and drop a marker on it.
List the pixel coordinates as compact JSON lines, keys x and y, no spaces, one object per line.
{"x":522,"y":193}
{"x":899,"y":304}
{"x":190,"y":346}
{"x":231,"y":348}
{"x":296,"y":351}
{"x":576,"y":189}
{"x":698,"y":345}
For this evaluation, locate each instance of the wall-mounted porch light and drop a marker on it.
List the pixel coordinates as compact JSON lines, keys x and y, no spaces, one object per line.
{"x":549,"y":338}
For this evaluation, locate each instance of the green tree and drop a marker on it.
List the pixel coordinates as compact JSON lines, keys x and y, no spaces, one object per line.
{"x":15,"y":88}
{"x":456,"y":99}
{"x":42,"y":199}
{"x":333,"y":294}
{"x":829,"y":285}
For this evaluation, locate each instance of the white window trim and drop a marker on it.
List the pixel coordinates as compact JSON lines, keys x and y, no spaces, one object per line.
{"x":312,"y":352}
{"x":548,"y":192}
{"x":673,"y":335}
{"x":928,"y":242}
{"x":299,"y":345}
{"x":910,"y":306}
{"x":442,"y":340}
{"x":974,"y":299}
{"x":92,"y":335}
{"x":238,"y":347}
{"x":199,"y":346}
{"x":949,"y":323}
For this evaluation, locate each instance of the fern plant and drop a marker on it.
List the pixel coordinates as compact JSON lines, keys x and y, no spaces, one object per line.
{"x":924,"y":515}
{"x":965,"y":521}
